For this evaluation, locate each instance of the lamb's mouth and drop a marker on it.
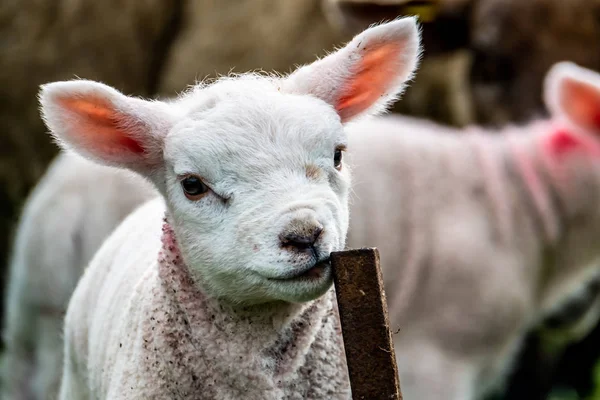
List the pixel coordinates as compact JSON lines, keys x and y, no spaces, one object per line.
{"x":315,"y":272}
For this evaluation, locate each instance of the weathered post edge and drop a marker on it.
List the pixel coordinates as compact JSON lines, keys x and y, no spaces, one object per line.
{"x":368,"y":341}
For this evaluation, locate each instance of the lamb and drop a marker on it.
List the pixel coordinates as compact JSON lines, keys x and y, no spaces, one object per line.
{"x":64,"y":222}
{"x":221,"y":288}
{"x":481,"y":235}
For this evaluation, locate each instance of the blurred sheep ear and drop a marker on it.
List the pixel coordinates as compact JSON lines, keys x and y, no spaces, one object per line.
{"x":574,"y":92}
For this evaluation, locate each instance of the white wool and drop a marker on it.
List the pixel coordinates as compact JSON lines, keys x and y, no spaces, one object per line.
{"x":74,"y":207}
{"x":237,"y":300}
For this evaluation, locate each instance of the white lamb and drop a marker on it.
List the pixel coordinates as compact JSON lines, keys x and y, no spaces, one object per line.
{"x":481,"y":235}
{"x":233,"y":297}
{"x":74,"y":207}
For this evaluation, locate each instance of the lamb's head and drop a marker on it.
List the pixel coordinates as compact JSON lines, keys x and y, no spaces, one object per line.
{"x":569,"y":152}
{"x":251,"y":167}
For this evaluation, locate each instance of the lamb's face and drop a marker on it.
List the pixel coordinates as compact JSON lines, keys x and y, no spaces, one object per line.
{"x":260,"y":201}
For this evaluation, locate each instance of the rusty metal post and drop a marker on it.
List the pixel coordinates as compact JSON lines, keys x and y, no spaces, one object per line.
{"x":365,"y":325}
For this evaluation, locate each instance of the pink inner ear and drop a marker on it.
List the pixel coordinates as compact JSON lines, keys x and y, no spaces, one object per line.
{"x":371,"y":80}
{"x":581,"y":102}
{"x":101,"y":125}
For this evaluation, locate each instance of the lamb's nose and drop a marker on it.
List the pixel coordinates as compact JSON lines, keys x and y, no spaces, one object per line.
{"x":300,"y":235}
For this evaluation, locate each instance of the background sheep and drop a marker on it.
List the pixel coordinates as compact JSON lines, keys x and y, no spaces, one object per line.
{"x":513,"y":43}
{"x":255,"y":197}
{"x":490,"y":59}
{"x":481,"y":235}
{"x":73,"y":209}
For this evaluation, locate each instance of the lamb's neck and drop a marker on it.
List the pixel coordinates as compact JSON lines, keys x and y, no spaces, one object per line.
{"x":536,"y":185}
{"x":555,"y":169}
{"x":268,"y":323}
{"x":226,"y":351}
{"x":558,"y":168}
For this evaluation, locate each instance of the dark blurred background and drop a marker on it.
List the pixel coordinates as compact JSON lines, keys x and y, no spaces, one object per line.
{"x":484,"y":63}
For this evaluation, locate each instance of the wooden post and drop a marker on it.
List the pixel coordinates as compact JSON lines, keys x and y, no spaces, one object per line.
{"x":365,"y":325}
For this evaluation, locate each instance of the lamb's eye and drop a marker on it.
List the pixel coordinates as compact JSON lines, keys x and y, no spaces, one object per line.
{"x":337,"y":159}
{"x":193,"y":187}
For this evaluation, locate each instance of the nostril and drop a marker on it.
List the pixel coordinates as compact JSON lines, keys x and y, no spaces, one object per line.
{"x":301,"y":241}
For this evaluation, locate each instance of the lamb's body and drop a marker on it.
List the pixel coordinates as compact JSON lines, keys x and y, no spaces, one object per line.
{"x":72,"y":210}
{"x":470,"y":260}
{"x":160,"y":337}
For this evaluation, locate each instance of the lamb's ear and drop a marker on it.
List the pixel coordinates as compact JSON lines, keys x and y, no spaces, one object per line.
{"x":101,"y":123}
{"x":574,"y":92}
{"x":367,"y":74}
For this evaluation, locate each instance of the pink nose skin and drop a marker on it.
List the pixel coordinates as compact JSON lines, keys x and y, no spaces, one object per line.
{"x":300,"y":235}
